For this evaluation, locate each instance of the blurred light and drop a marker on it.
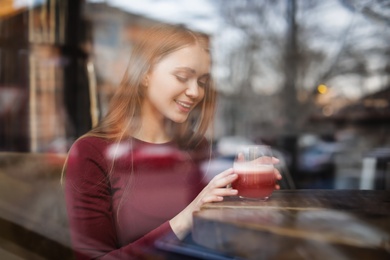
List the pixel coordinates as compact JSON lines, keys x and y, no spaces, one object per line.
{"x":327,"y":111}
{"x":322,"y":89}
{"x":25,"y":3}
{"x":376,"y":103}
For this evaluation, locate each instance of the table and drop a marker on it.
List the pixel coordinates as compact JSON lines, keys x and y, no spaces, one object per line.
{"x":33,"y":219}
{"x":299,"y":224}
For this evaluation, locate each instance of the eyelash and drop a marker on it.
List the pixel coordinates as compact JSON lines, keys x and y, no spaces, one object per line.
{"x":184,"y":79}
{"x":202,"y":84}
{"x":181,"y":79}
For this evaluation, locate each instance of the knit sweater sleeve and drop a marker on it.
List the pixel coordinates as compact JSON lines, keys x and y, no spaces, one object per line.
{"x":89,"y":207}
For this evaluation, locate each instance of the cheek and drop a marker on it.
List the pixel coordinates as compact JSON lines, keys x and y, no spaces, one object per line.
{"x":201,"y":94}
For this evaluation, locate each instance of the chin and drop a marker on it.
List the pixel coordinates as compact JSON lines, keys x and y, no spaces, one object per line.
{"x":179,"y":119}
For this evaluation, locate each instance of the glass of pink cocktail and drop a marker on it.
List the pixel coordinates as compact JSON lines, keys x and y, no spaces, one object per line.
{"x":256,"y":177}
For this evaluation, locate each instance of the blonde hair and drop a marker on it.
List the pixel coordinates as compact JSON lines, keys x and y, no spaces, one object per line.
{"x":121,"y":120}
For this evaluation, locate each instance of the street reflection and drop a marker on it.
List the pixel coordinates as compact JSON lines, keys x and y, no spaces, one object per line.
{"x":311,"y":79}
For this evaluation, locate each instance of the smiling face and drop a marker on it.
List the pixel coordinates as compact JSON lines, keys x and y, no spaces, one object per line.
{"x":176,"y":84}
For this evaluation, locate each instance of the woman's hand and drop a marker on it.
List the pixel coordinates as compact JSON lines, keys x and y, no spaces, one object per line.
{"x":278,"y":176}
{"x":214,"y":191}
{"x":275,"y":160}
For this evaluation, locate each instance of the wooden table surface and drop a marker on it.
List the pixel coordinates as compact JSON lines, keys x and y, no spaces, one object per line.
{"x":299,"y":224}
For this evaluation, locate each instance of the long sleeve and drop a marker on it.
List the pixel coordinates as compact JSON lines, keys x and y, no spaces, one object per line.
{"x":91,"y":214}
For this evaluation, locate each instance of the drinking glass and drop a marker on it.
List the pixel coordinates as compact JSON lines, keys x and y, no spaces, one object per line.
{"x":254,"y":167}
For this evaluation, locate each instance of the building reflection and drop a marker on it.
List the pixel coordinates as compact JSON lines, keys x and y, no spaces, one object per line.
{"x":43,"y":76}
{"x":60,"y":62}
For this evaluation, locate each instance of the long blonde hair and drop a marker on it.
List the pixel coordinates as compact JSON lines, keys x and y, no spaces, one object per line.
{"x":124,"y":109}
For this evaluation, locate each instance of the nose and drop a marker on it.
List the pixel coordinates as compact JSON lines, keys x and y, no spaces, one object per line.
{"x":193,"y":90}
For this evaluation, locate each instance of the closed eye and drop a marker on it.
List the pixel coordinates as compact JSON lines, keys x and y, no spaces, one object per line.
{"x":203,"y":82}
{"x":181,"y":78}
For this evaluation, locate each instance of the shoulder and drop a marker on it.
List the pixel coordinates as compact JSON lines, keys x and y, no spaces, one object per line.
{"x":89,"y":148}
{"x":86,"y":168}
{"x":87,"y":159}
{"x":91,"y":141}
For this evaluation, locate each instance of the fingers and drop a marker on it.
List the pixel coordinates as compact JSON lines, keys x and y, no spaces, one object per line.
{"x":278,"y":176}
{"x":223,"y":179}
{"x":240,"y":157}
{"x":216,"y":189}
{"x":225,"y":192}
{"x":218,"y":194}
{"x":267,"y":160}
{"x":209,"y":199}
{"x":224,"y":174}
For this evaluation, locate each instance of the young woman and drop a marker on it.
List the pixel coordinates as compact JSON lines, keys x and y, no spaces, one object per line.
{"x":136,"y":176}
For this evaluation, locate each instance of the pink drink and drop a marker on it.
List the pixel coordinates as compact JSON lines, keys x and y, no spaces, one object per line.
{"x":254,"y":181}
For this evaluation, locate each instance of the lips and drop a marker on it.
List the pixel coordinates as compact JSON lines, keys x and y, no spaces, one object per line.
{"x":185,"y":106}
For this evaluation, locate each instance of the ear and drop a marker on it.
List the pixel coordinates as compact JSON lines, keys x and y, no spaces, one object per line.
{"x":145,"y":80}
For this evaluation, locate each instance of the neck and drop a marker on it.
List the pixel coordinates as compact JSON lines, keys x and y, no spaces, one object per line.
{"x":151,"y":138}
{"x":154,"y":127}
{"x":153,"y":131}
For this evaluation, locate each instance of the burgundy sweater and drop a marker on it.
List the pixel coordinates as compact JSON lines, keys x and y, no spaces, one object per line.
{"x":120,"y":196}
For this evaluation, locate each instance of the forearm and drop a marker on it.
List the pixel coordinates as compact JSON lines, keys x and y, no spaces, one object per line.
{"x":181,"y":224}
